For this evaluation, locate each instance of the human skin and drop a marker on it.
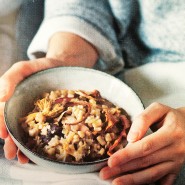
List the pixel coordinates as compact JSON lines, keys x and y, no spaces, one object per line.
{"x":157,"y":157}
{"x":64,"y":49}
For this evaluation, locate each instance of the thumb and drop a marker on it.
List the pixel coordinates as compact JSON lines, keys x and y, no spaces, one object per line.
{"x":152,"y":114}
{"x":21,"y":70}
{"x":137,"y":130}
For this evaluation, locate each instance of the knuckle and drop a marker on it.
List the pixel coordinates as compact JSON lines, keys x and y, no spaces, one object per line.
{"x":19,"y":65}
{"x":142,"y":163}
{"x":146,"y":161}
{"x":173,"y":116}
{"x":127,"y":156}
{"x":147,"y":148}
{"x":172,"y":120}
{"x":178,"y":133}
{"x":157,"y":105}
{"x":143,"y":118}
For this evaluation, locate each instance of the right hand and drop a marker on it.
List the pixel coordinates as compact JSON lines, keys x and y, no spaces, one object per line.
{"x":65,"y":49}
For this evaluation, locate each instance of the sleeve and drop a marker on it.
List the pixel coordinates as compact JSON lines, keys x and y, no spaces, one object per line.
{"x":92,"y":20}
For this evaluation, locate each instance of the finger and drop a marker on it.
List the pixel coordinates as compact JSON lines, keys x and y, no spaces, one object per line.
{"x":144,"y":147}
{"x":22,"y":158}
{"x":168,"y":179}
{"x":137,"y":164}
{"x":21,"y":70}
{"x":141,"y":124}
{"x":10,"y":149}
{"x":3,"y":130}
{"x":148,"y":175}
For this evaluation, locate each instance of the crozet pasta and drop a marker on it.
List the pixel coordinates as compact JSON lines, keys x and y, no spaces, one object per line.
{"x":75,"y":126}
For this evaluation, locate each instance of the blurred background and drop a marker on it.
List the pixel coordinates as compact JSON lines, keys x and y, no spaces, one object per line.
{"x":8,"y":14}
{"x":19,"y":21}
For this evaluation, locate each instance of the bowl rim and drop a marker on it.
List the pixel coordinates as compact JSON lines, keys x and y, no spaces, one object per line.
{"x":53,"y":69}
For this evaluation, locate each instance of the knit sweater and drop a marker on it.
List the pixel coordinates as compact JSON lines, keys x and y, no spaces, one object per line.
{"x":125,"y":33}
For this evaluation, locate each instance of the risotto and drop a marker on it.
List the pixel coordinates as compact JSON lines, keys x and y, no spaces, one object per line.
{"x":75,"y":126}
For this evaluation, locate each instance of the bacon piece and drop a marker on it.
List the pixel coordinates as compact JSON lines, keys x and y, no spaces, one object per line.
{"x":63,"y":101}
{"x":116,"y":142}
{"x":126,"y":124}
{"x":125,"y":121}
{"x":96,"y":94}
{"x":111,"y":119}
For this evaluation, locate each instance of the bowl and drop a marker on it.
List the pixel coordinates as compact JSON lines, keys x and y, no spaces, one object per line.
{"x":73,"y":78}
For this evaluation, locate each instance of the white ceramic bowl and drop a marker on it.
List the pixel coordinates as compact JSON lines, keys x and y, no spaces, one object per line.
{"x":66,"y":78}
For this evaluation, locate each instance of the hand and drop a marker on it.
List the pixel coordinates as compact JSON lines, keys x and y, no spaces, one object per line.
{"x":8,"y":82}
{"x":157,"y":157}
{"x":65,"y":49}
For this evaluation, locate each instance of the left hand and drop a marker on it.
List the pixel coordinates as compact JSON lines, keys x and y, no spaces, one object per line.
{"x":157,"y":157}
{"x":65,"y":49}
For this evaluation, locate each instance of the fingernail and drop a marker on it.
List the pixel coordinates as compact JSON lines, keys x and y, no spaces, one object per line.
{"x":132,"y":136}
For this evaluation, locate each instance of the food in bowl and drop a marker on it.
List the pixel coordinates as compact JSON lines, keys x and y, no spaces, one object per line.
{"x":21,"y":103}
{"x":75,"y":126}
